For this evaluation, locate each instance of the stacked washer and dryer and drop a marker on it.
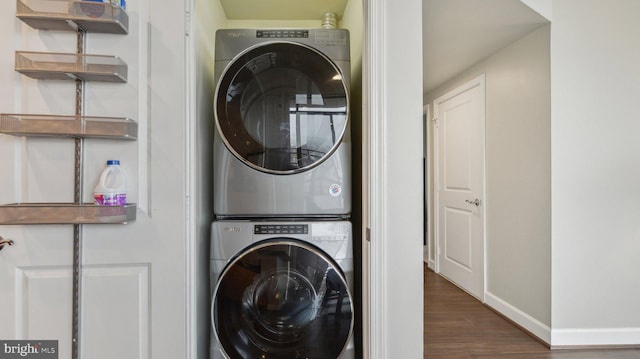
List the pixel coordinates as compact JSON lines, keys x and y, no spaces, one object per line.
{"x":281,"y":245}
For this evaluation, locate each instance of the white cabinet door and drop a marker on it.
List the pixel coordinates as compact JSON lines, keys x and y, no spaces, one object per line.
{"x":133,"y":275}
{"x":460,"y":185}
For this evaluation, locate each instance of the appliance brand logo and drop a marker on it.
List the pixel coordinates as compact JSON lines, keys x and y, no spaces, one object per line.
{"x":29,"y":349}
{"x":335,"y":190}
{"x":235,"y":34}
{"x":232,"y":229}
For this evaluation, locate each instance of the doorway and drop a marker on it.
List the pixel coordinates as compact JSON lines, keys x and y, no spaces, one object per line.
{"x":517,"y":202}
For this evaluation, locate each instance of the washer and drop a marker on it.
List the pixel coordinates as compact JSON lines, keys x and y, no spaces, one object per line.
{"x":282,"y":147}
{"x":282,"y":290}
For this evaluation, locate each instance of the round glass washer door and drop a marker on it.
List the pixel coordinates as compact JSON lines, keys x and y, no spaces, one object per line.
{"x":281,"y":107}
{"x":282,"y":298}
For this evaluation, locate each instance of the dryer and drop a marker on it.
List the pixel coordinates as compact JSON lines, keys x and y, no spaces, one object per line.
{"x":282,"y":290}
{"x":282,"y":146}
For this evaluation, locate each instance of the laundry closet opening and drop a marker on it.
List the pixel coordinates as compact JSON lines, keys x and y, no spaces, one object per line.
{"x":464,"y":40}
{"x":279,"y":136}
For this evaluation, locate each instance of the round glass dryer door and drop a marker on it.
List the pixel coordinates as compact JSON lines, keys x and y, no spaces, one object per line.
{"x":279,"y":299}
{"x":281,"y":108}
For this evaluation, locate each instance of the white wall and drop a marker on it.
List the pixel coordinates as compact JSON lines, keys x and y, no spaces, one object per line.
{"x":518,"y":179}
{"x":209,"y":16}
{"x":595,"y":57}
{"x":519,"y":182}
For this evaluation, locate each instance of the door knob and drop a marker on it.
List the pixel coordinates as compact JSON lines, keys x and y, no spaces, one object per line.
{"x":475,"y":202}
{"x":5,"y":241}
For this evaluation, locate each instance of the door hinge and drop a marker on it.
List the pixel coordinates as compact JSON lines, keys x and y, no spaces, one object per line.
{"x":435,"y":121}
{"x":368,"y":234}
{"x":187,"y":23}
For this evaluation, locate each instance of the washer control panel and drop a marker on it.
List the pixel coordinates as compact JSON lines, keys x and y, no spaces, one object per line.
{"x":281,"y":229}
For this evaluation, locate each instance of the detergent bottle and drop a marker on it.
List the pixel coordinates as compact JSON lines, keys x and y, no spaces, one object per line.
{"x":111,"y":189}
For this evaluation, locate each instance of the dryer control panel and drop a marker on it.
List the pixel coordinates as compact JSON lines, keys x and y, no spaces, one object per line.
{"x":279,"y":34}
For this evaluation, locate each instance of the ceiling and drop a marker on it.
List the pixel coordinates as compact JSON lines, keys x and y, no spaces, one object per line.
{"x":457,"y":34}
{"x":281,"y":9}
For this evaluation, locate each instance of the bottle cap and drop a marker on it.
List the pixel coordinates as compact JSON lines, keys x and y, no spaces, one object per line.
{"x":113,"y":162}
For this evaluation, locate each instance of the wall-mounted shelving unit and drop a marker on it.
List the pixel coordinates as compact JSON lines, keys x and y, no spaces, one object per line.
{"x":119,"y":128}
{"x":66,"y":213}
{"x":64,"y":66}
{"x":81,"y":17}
{"x":95,"y":17}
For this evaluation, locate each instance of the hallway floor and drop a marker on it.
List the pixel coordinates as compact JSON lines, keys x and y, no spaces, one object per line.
{"x":458,"y":326}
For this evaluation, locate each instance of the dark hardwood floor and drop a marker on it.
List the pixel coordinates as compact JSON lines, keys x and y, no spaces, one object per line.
{"x":457,"y":326}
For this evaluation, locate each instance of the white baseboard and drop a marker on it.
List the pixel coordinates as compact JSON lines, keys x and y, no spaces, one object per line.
{"x":601,"y":337}
{"x":527,"y":322}
{"x":566,"y":338}
{"x":430,"y":262}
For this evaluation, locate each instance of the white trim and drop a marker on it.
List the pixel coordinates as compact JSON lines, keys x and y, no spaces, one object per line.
{"x":482,"y":79}
{"x":394,"y":111}
{"x":529,"y":323}
{"x":144,"y":110}
{"x":367,"y":347}
{"x":191,"y":257}
{"x":430,"y":252}
{"x":374,"y":60}
{"x":435,"y":190}
{"x":432,"y":264}
{"x":602,"y":337}
{"x":477,"y":81}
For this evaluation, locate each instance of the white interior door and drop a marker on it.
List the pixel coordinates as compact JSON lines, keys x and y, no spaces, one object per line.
{"x":460,"y":127}
{"x":133,"y":278}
